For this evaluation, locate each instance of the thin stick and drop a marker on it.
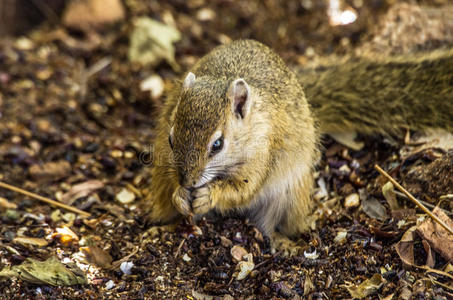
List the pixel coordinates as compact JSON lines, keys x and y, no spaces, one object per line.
{"x":409,"y":195}
{"x":44,"y":199}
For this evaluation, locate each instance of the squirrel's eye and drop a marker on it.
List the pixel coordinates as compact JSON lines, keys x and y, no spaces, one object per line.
{"x":170,"y":142}
{"x":217,"y":146}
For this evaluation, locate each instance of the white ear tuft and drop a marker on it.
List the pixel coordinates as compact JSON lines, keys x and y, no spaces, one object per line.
{"x":239,"y":92}
{"x":189,"y":81}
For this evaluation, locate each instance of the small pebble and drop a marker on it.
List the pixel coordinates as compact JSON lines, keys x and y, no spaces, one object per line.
{"x":126,"y":267}
{"x":352,"y":200}
{"x":110,"y":285}
{"x":186,"y":258}
{"x":238,"y":252}
{"x":154,"y":84}
{"x":125,"y":196}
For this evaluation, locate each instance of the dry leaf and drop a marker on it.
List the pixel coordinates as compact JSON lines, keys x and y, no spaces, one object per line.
{"x":152,"y":41}
{"x":405,"y":247}
{"x":348,"y":139}
{"x":245,"y":267}
{"x":308,"y":286}
{"x":81,"y":190}
{"x":389,"y":194}
{"x":51,"y":271}
{"x":200,"y":296}
{"x":430,"y":257}
{"x":374,"y":209}
{"x":97,"y":256}
{"x":25,"y":240}
{"x":438,"y":238}
{"x":367,"y":287}
{"x":432,"y":138}
{"x":50,"y":171}
{"x":66,"y":235}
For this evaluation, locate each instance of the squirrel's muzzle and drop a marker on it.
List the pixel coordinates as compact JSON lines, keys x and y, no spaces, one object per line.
{"x":184,"y":180}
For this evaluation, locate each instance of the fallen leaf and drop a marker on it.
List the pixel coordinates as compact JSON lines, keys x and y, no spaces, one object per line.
{"x":348,"y":139}
{"x":25,"y":240}
{"x":374,"y":209}
{"x":405,"y":247}
{"x":81,"y":190}
{"x":389,"y":194}
{"x":308,"y":286}
{"x":201,"y":296}
{"x":245,"y":267}
{"x":430,"y":257}
{"x":438,"y":238}
{"x":341,"y":236}
{"x":366,"y":288}
{"x":66,"y":235}
{"x":432,"y":138}
{"x":50,"y":171}
{"x":50,"y":271}
{"x":97,"y":256}
{"x":152,"y":41}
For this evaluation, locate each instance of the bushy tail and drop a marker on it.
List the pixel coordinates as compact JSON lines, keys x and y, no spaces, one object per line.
{"x":383,"y":95}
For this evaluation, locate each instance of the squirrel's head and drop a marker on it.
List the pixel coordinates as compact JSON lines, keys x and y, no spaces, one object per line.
{"x":209,"y":119}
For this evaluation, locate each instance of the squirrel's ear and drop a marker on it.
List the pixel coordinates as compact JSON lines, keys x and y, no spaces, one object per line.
{"x":189,"y":81}
{"x":239,"y":92}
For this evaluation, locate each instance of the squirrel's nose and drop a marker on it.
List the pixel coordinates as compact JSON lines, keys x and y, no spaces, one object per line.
{"x":185,"y":181}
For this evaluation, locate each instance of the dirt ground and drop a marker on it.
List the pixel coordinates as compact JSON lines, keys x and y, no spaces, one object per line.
{"x":76,"y":125}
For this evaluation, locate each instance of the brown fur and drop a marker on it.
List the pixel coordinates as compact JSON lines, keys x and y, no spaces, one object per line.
{"x":383,"y":95}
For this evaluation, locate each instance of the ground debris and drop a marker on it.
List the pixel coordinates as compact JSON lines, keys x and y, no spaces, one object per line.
{"x":50,"y":271}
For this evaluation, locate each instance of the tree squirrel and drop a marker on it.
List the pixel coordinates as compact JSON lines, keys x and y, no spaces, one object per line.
{"x":238,"y":134}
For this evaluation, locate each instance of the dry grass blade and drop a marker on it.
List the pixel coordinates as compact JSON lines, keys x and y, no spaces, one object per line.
{"x":44,"y":199}
{"x":413,"y":199}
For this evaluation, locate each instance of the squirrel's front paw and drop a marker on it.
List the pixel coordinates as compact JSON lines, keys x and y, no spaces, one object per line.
{"x":181,"y":200}
{"x":202,"y":202}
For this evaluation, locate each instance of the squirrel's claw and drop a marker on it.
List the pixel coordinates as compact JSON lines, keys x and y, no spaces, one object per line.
{"x":202,"y":202}
{"x":181,"y":201}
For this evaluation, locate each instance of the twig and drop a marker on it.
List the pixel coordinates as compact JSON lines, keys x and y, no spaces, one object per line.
{"x":44,"y":199}
{"x":432,"y":206}
{"x":413,"y":199}
{"x":179,"y":248}
{"x":268,"y":260}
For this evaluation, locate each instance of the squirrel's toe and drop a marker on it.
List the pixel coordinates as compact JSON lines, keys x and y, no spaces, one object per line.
{"x":201,"y":203}
{"x":181,"y":201}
